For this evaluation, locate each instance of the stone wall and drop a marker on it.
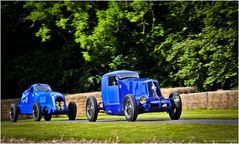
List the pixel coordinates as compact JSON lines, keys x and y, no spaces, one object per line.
{"x":204,"y":100}
{"x":80,"y":100}
{"x":181,"y":90}
{"x":5,"y":105}
{"x":221,"y":99}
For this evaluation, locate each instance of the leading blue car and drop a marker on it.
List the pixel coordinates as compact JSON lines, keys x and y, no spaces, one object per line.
{"x":124,"y":93}
{"x":39,"y":100}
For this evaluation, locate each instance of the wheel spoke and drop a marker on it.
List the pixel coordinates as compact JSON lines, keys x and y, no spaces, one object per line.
{"x":90,"y":112}
{"x":128,"y":108}
{"x":11,"y":113}
{"x":90,"y":109}
{"x":34,"y":111}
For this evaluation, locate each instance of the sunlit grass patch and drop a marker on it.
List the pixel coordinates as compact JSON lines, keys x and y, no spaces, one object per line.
{"x":122,"y":131}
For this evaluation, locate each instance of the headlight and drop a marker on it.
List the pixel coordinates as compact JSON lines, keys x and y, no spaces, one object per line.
{"x":142,"y":100}
{"x":62,"y":105}
{"x":176,"y":98}
{"x":57,"y":103}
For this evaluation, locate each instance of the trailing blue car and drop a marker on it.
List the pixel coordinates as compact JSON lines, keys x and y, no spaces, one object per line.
{"x":124,"y":93}
{"x":39,"y":100}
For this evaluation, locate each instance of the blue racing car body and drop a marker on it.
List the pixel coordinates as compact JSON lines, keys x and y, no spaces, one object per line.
{"x":146,"y":92}
{"x":123,"y":92}
{"x":48,"y":99}
{"x":39,"y":100}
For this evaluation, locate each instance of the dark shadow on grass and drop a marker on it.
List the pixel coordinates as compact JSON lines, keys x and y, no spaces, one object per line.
{"x":139,"y":120}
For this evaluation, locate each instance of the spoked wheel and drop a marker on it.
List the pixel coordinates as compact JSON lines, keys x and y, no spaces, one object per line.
{"x":130,"y":108}
{"x":91,"y":109}
{"x":176,"y":110}
{"x":47,"y":117}
{"x":37,"y":113}
{"x":72,"y":109}
{"x":13,"y":112}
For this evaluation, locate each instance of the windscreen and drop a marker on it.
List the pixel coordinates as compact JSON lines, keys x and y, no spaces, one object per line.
{"x":128,"y":75}
{"x":44,"y":88}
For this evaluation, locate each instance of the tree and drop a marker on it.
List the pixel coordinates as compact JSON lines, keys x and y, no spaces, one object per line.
{"x":178,"y":43}
{"x":207,"y":58}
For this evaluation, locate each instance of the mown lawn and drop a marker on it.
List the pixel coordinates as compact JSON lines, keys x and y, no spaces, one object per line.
{"x":186,"y":114}
{"x":29,"y":131}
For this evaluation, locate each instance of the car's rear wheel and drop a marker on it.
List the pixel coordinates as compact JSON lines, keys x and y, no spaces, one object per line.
{"x":72,"y":110}
{"x":36,"y":112}
{"x":47,"y":117}
{"x":176,"y":110}
{"x":13,"y":112}
{"x":91,"y":109}
{"x":130,"y":108}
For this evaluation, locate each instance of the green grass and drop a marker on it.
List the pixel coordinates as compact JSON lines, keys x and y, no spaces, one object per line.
{"x":122,"y":132}
{"x":186,"y":114}
{"x":27,"y":130}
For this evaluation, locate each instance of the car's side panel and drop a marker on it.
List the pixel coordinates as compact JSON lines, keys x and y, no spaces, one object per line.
{"x":42,"y":99}
{"x":49,"y":105}
{"x":24,"y":102}
{"x":27,"y":101}
{"x":139,"y":90}
{"x":124,"y":89}
{"x":104,"y":92}
{"x":113,"y":95}
{"x":110,"y":95}
{"x":114,"y":100}
{"x":24,"y":98}
{"x":31,"y":100}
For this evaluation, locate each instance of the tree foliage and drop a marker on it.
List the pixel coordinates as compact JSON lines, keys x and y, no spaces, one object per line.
{"x":178,"y":43}
{"x":208,"y":58}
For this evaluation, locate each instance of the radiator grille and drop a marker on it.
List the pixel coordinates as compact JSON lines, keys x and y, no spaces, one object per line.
{"x":153,"y":89}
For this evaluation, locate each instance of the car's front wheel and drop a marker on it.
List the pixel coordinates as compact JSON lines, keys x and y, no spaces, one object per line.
{"x":176,"y":110}
{"x":36,"y":112}
{"x":47,"y":117}
{"x":13,"y":112}
{"x":130,"y":108}
{"x":91,"y":109}
{"x":72,"y":110}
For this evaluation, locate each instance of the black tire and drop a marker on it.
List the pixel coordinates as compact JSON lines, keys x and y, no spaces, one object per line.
{"x":36,"y":112}
{"x":130,"y":108}
{"x":13,"y":112}
{"x":47,"y":117}
{"x":91,"y":109}
{"x":72,"y":110}
{"x":176,"y":110}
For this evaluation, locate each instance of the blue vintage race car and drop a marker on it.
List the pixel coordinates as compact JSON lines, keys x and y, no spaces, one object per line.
{"x":39,"y":100}
{"x":124,"y":93}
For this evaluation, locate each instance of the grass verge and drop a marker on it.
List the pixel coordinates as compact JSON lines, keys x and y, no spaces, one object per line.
{"x":126,"y":131}
{"x":121,"y":132}
{"x":186,"y":114}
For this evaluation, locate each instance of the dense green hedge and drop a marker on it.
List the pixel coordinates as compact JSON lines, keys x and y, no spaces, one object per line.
{"x":177,"y":43}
